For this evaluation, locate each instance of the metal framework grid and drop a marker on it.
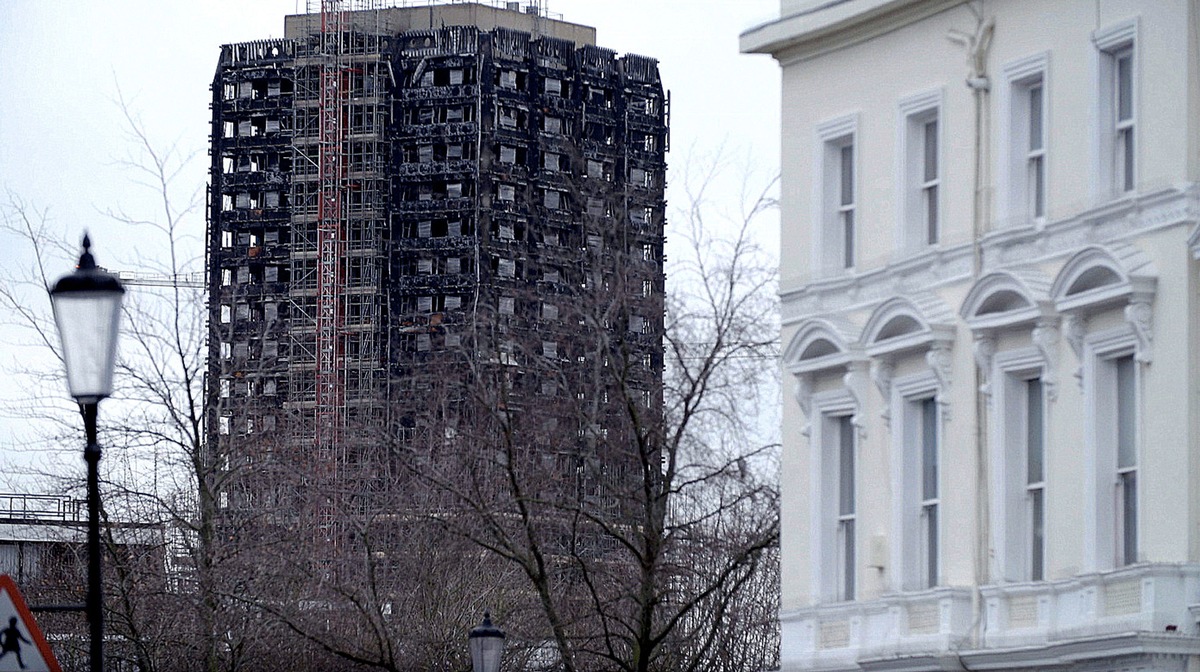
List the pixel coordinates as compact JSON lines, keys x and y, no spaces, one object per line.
{"x":396,"y":236}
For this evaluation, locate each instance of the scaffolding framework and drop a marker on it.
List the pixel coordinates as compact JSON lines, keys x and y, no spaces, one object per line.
{"x":331,"y":226}
{"x":398,"y":199}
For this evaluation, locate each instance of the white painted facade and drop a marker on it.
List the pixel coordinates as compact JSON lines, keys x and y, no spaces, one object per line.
{"x":991,"y":311}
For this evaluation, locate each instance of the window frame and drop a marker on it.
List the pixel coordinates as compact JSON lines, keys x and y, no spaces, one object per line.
{"x":1124,"y":120}
{"x":1020,"y":183}
{"x":918,"y":553}
{"x":835,"y":531}
{"x":846,"y":202}
{"x":837,"y":201}
{"x":1106,"y":513}
{"x":1125,"y":508}
{"x":847,"y":507}
{"x":1035,"y":156}
{"x":1016,"y":535}
{"x":1035,"y":485}
{"x":930,"y":498}
{"x":922,"y":215}
{"x":1116,"y":137}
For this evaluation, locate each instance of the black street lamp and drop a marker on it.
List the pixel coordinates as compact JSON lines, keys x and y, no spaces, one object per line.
{"x":487,"y":645}
{"x":87,"y":310}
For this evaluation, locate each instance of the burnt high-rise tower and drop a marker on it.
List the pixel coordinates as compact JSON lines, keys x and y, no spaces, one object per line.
{"x":396,"y":189}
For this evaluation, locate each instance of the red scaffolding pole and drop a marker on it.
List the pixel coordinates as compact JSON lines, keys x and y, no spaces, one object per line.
{"x":331,"y":226}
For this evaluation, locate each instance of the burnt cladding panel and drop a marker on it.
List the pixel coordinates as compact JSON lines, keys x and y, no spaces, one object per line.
{"x":248,"y":232}
{"x":434,"y":189}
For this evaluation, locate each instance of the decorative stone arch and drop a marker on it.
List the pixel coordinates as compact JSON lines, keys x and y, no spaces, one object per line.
{"x":1103,"y":277}
{"x":1006,"y":298}
{"x":819,"y":344}
{"x":900,"y":324}
{"x":826,"y":345}
{"x":1013,"y":299}
{"x":909,"y":324}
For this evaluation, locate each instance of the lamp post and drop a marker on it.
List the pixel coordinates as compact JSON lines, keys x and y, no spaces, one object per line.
{"x":487,"y":645}
{"x":87,"y":311}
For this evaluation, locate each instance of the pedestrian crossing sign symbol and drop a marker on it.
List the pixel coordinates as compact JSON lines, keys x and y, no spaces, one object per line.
{"x":22,"y":646}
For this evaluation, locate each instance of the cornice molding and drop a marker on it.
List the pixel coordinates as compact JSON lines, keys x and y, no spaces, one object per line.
{"x":1005,"y":249}
{"x":800,"y":37}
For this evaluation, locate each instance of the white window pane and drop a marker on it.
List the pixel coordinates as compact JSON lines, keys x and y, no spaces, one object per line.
{"x":1035,"y":117}
{"x":1037,"y":535}
{"x":848,"y":238}
{"x":1127,"y":159}
{"x":1037,"y":187}
{"x":846,"y":548}
{"x":931,"y":545}
{"x":1034,"y":441}
{"x":1126,"y":412}
{"x":847,"y":175}
{"x":929,"y":449}
{"x":1128,"y":515}
{"x":845,"y":466}
{"x":931,"y":148}
{"x":1125,"y":87}
{"x":930,"y":195}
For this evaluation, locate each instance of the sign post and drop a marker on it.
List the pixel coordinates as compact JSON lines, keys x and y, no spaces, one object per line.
{"x":22,"y":646}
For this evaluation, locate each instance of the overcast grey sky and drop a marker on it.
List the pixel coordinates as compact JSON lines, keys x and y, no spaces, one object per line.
{"x":62,"y":133}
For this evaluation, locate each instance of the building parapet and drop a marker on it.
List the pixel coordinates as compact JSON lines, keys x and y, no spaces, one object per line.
{"x":1144,"y":608}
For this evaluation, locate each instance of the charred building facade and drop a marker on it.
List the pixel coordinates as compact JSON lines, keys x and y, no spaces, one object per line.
{"x":401,"y":194}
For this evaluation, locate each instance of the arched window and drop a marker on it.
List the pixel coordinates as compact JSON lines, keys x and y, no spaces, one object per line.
{"x":1020,"y":381}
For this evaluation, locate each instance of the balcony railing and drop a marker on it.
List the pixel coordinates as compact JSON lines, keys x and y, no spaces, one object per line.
{"x":1101,"y":608}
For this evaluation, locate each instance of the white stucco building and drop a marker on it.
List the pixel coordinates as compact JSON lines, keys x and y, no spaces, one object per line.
{"x":991,"y":312}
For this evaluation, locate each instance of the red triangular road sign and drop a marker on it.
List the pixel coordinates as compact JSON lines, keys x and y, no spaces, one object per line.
{"x":22,"y":646}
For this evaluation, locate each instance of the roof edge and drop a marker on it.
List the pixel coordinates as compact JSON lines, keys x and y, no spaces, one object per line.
{"x":835,"y":24}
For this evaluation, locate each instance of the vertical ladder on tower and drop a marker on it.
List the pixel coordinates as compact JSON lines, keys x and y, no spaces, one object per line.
{"x":330,"y":228}
{"x":330,"y":412}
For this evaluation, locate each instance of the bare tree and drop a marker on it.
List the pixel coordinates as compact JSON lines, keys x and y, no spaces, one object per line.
{"x":633,"y":528}
{"x":165,"y":599}
{"x":645,"y":526}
